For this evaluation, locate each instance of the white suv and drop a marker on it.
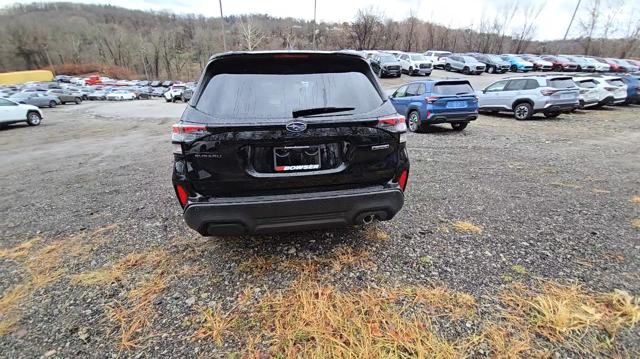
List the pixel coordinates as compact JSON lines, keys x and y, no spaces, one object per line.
{"x":415,"y":64}
{"x":527,"y":95}
{"x":438,"y":58}
{"x":597,"y":92}
{"x":13,"y":112}
{"x":174,"y":93}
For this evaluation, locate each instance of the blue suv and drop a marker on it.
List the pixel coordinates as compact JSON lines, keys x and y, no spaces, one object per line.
{"x":517,"y":63}
{"x":429,"y":102}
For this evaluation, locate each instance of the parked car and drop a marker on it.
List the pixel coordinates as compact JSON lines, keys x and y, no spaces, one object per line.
{"x":256,"y":154}
{"x":633,"y":88}
{"x":465,"y":64}
{"x":561,"y":63}
{"x":583,"y":65}
{"x":526,"y":96}
{"x":436,"y":101}
{"x":627,"y":65}
{"x":633,"y":62}
{"x":159,"y":91}
{"x":538,"y":63}
{"x":493,"y":63}
{"x":613,"y":66}
{"x":66,"y":96}
{"x":40,"y":99}
{"x":97,"y":95}
{"x":174,"y":93}
{"x":187,"y":94}
{"x":619,"y":89}
{"x":599,"y":66}
{"x":384,"y":64}
{"x":438,"y":58}
{"x":415,"y":64}
{"x":517,"y":63}
{"x":594,"y":93}
{"x":395,"y":53}
{"x":14,"y":112}
{"x":120,"y":95}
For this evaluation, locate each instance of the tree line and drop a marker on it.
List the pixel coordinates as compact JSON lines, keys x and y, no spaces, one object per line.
{"x":161,"y":45}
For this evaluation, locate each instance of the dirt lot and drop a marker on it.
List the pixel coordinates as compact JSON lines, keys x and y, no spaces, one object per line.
{"x":516,"y":239}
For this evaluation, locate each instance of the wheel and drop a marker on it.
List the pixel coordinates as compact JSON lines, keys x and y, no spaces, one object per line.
{"x":427,"y":74}
{"x":551,"y":114}
{"x":52,"y":104}
{"x":380,"y":73}
{"x":465,"y":70}
{"x":33,"y":118}
{"x":85,"y":97}
{"x":579,"y":69}
{"x":399,"y":75}
{"x":522,"y":111}
{"x":410,"y":70}
{"x":459,"y":126}
{"x":491,"y":69}
{"x":514,"y":68}
{"x":78,"y":100}
{"x":413,"y":121}
{"x":447,"y":67}
{"x":168,"y":100}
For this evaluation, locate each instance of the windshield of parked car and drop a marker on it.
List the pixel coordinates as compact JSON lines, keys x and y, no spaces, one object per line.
{"x":565,"y":59}
{"x":495,"y":58}
{"x":387,"y":58}
{"x":277,"y":96}
{"x":615,"y":82}
{"x":469,"y":59}
{"x":561,"y":82}
{"x":452,"y":88}
{"x":418,"y":57}
{"x":589,"y":84}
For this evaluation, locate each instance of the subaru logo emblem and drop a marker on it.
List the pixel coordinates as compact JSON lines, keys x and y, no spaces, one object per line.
{"x":296,"y":126}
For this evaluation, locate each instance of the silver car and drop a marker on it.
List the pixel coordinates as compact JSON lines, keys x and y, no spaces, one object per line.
{"x":526,"y":96}
{"x":465,"y":64}
{"x":40,"y":99}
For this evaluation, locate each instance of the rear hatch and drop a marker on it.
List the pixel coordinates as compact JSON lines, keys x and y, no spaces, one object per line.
{"x":453,"y":96}
{"x":272,"y":123}
{"x":561,"y":90}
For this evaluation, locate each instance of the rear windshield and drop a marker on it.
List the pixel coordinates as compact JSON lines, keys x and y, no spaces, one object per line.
{"x":453,"y":88}
{"x":561,"y":83}
{"x":588,"y":84}
{"x":418,"y":57}
{"x":616,"y":82}
{"x":276,"y":96}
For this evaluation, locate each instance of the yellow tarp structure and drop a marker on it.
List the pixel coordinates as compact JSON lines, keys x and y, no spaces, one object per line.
{"x":20,"y":77}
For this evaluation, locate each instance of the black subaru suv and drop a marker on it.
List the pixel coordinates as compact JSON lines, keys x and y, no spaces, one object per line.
{"x":283,"y":141}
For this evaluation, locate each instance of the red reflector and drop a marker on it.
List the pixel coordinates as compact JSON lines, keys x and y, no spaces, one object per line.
{"x":402,"y":180}
{"x":187,"y":128}
{"x":182,"y":195}
{"x":290,"y":56}
{"x":392,"y":121}
{"x":431,"y":99}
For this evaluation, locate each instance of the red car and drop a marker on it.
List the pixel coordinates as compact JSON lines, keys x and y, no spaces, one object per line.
{"x":561,"y":63}
{"x":615,"y":67}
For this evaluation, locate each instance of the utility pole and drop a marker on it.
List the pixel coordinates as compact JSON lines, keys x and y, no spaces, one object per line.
{"x":314,"y":23}
{"x":571,"y":22}
{"x":45,"y":47}
{"x":224,"y":39}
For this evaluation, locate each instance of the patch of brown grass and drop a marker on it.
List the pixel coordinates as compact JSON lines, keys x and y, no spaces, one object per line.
{"x":636,"y":223}
{"x":466,"y":227}
{"x":444,"y":300}
{"x":376,"y":233}
{"x":257,"y":265}
{"x":21,"y":250}
{"x":635,"y":199}
{"x":348,"y":257}
{"x":119,"y":270}
{"x":502,"y":342}
{"x":215,"y":324}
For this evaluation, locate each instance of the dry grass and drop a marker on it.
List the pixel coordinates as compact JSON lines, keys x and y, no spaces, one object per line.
{"x":635,"y":199}
{"x":123,"y":267}
{"x":215,"y":324}
{"x":466,"y":227}
{"x":502,"y":342}
{"x":348,"y":257}
{"x":21,"y":250}
{"x":636,"y":223}
{"x":376,"y":233}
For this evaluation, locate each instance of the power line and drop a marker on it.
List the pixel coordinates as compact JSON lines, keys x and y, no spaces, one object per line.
{"x":571,"y":22}
{"x":224,"y":40}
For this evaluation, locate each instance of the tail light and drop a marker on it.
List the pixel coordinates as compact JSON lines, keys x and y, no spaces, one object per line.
{"x":181,"y":133}
{"x":402,"y":179}
{"x":182,"y":195}
{"x":431,"y":99}
{"x":393,"y":124}
{"x":548,"y":91}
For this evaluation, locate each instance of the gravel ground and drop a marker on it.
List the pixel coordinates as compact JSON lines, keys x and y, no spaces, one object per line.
{"x":548,"y":200}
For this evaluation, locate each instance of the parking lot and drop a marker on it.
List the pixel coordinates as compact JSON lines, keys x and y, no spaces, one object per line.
{"x":96,"y":260}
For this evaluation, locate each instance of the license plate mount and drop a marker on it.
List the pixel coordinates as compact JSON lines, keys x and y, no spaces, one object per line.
{"x":296,"y":158}
{"x":456,"y":104}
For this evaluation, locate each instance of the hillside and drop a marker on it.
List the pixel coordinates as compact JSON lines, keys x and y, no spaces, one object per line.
{"x":164,"y":45}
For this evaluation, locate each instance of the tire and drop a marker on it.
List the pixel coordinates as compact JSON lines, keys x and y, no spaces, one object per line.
{"x":166,"y":99}
{"x":459,"y":126}
{"x":465,"y":70}
{"x":491,"y":69}
{"x":514,"y":68}
{"x":410,"y":70}
{"x":400,"y":74}
{"x":447,"y":67}
{"x":413,"y":121}
{"x":33,"y":118}
{"x":579,"y":69}
{"x":52,"y":104}
{"x":78,"y":100}
{"x":522,"y":111}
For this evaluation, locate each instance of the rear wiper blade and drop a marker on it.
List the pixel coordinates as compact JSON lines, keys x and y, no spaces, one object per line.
{"x":463,"y":93}
{"x":319,"y":110}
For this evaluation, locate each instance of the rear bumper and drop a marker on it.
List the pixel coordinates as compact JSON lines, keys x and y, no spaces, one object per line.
{"x":281,"y":213}
{"x":560,"y":107}
{"x":451,"y":117}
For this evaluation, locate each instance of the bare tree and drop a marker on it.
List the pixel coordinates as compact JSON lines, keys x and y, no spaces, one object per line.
{"x":589,"y":24}
{"x":525,"y":31}
{"x":252,"y":36}
{"x":410,"y":33}
{"x":366,"y":29}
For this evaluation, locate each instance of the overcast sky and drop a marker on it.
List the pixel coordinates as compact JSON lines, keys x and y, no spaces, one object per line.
{"x":551,"y":24}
